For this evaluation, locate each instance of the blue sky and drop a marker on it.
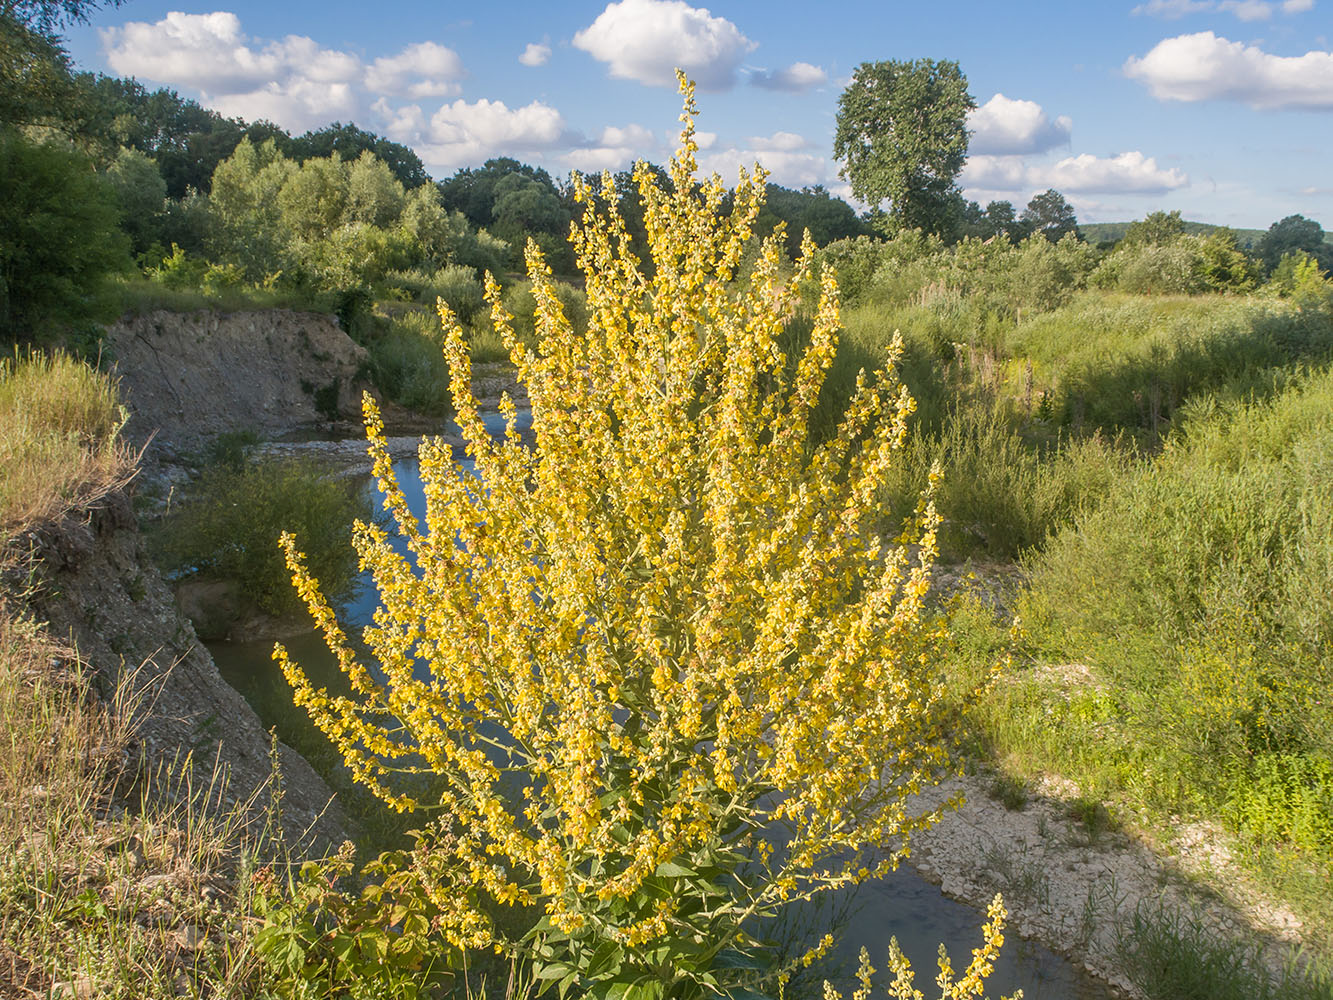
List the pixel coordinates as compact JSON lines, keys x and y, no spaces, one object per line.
{"x":1220,"y":108}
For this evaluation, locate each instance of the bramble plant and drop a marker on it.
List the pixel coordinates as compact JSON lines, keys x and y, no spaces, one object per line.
{"x":668,"y":670}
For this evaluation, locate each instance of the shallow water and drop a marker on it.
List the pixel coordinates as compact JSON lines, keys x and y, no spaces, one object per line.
{"x":903,"y":905}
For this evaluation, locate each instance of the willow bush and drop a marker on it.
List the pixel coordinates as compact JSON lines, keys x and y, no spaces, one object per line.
{"x":667,"y":671}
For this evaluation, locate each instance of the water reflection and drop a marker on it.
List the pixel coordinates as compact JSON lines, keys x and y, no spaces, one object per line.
{"x":903,"y":905}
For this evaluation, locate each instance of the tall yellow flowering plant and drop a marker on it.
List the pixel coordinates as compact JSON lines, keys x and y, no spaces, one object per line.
{"x":668,"y":669}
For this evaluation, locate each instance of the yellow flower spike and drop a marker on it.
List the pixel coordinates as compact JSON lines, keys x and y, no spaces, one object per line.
{"x":625,"y":651}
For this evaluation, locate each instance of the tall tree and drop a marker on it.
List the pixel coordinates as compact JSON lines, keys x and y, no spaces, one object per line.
{"x":902,"y":136}
{"x":1289,"y":235}
{"x":1049,"y":214}
{"x":1155,"y":229}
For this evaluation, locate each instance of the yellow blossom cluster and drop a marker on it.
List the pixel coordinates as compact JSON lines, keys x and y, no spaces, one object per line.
{"x":972,"y":985}
{"x":663,"y":645}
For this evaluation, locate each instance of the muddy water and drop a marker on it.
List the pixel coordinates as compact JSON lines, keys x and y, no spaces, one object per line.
{"x":904,"y":905}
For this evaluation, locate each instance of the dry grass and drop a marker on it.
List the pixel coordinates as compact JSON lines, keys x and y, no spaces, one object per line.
{"x":59,"y":439}
{"x":96,"y":899}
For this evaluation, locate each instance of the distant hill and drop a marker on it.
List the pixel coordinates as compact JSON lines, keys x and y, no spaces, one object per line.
{"x":1099,"y":232}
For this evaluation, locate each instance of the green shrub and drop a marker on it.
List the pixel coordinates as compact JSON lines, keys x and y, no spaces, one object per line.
{"x":59,"y":236}
{"x":229,"y":522}
{"x":407,"y":363}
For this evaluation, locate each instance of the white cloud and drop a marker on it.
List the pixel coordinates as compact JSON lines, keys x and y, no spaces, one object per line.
{"x":798,"y":77}
{"x":1172,"y":9}
{"x":404,"y":124}
{"x":211,"y":53}
{"x":296,"y":104}
{"x":1203,"y":66}
{"x":1245,"y":10}
{"x":615,"y":149}
{"x":294,"y":82}
{"x":1248,"y":10}
{"x":425,"y":69}
{"x":645,"y":40}
{"x":790,"y":168}
{"x":535,"y":55}
{"x":462,"y":133}
{"x":1117,"y":174}
{"x":1003,"y":125}
{"x":778,"y":142}
{"x":1085,"y":173}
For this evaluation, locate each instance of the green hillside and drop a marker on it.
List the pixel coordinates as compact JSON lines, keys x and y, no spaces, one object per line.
{"x":1099,"y":232}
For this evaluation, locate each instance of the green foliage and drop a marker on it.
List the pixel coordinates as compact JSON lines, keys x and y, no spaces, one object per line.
{"x":407,"y":363}
{"x":1049,"y":215}
{"x":313,"y":200}
{"x":1155,"y":229}
{"x":59,"y":235}
{"x":227,"y":527}
{"x":247,"y":227}
{"x":142,"y":194}
{"x":1000,"y":495}
{"x":1169,"y":955}
{"x":1298,"y":277}
{"x":902,"y":134}
{"x":1199,"y":591}
{"x":321,"y":939}
{"x":352,"y":143}
{"x":1292,"y":234}
{"x":36,"y":87}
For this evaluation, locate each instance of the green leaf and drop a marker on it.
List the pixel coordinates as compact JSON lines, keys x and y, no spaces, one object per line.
{"x":670,"y":869}
{"x":730,"y":958}
{"x":605,"y":960}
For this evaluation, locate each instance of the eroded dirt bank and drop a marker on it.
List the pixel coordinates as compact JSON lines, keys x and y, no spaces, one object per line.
{"x":188,"y":377}
{"x":94,"y":585}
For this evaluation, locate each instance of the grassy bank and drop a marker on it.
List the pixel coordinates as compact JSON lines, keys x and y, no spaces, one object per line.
{"x":118,"y":883}
{"x":1194,"y":599}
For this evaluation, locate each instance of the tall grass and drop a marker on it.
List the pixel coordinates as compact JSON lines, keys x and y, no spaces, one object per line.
{"x":59,"y":438}
{"x":1199,"y":593}
{"x":95,"y":899}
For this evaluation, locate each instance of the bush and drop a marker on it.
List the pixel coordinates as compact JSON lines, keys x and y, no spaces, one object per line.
{"x":228,"y":525}
{"x":407,"y":363}
{"x":59,"y":236}
{"x":662,"y":660}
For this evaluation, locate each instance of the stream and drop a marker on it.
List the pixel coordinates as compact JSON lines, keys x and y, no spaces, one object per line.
{"x":903,"y":905}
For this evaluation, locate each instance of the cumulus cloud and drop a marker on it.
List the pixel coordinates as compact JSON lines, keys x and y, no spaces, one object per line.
{"x":788,"y":167}
{"x":1245,"y":10}
{"x":1006,"y":126}
{"x":1204,"y":66}
{"x":535,"y":55}
{"x":1130,"y":172}
{"x":462,"y":133}
{"x":798,"y":77}
{"x":645,"y":40}
{"x":210,"y":52}
{"x":615,"y":149}
{"x":425,"y":69}
{"x":294,"y":82}
{"x":778,"y":142}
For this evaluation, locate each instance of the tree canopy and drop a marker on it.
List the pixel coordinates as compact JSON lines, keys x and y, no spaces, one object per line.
{"x":1049,"y":214}
{"x":902,"y":136}
{"x":1292,"y":234}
